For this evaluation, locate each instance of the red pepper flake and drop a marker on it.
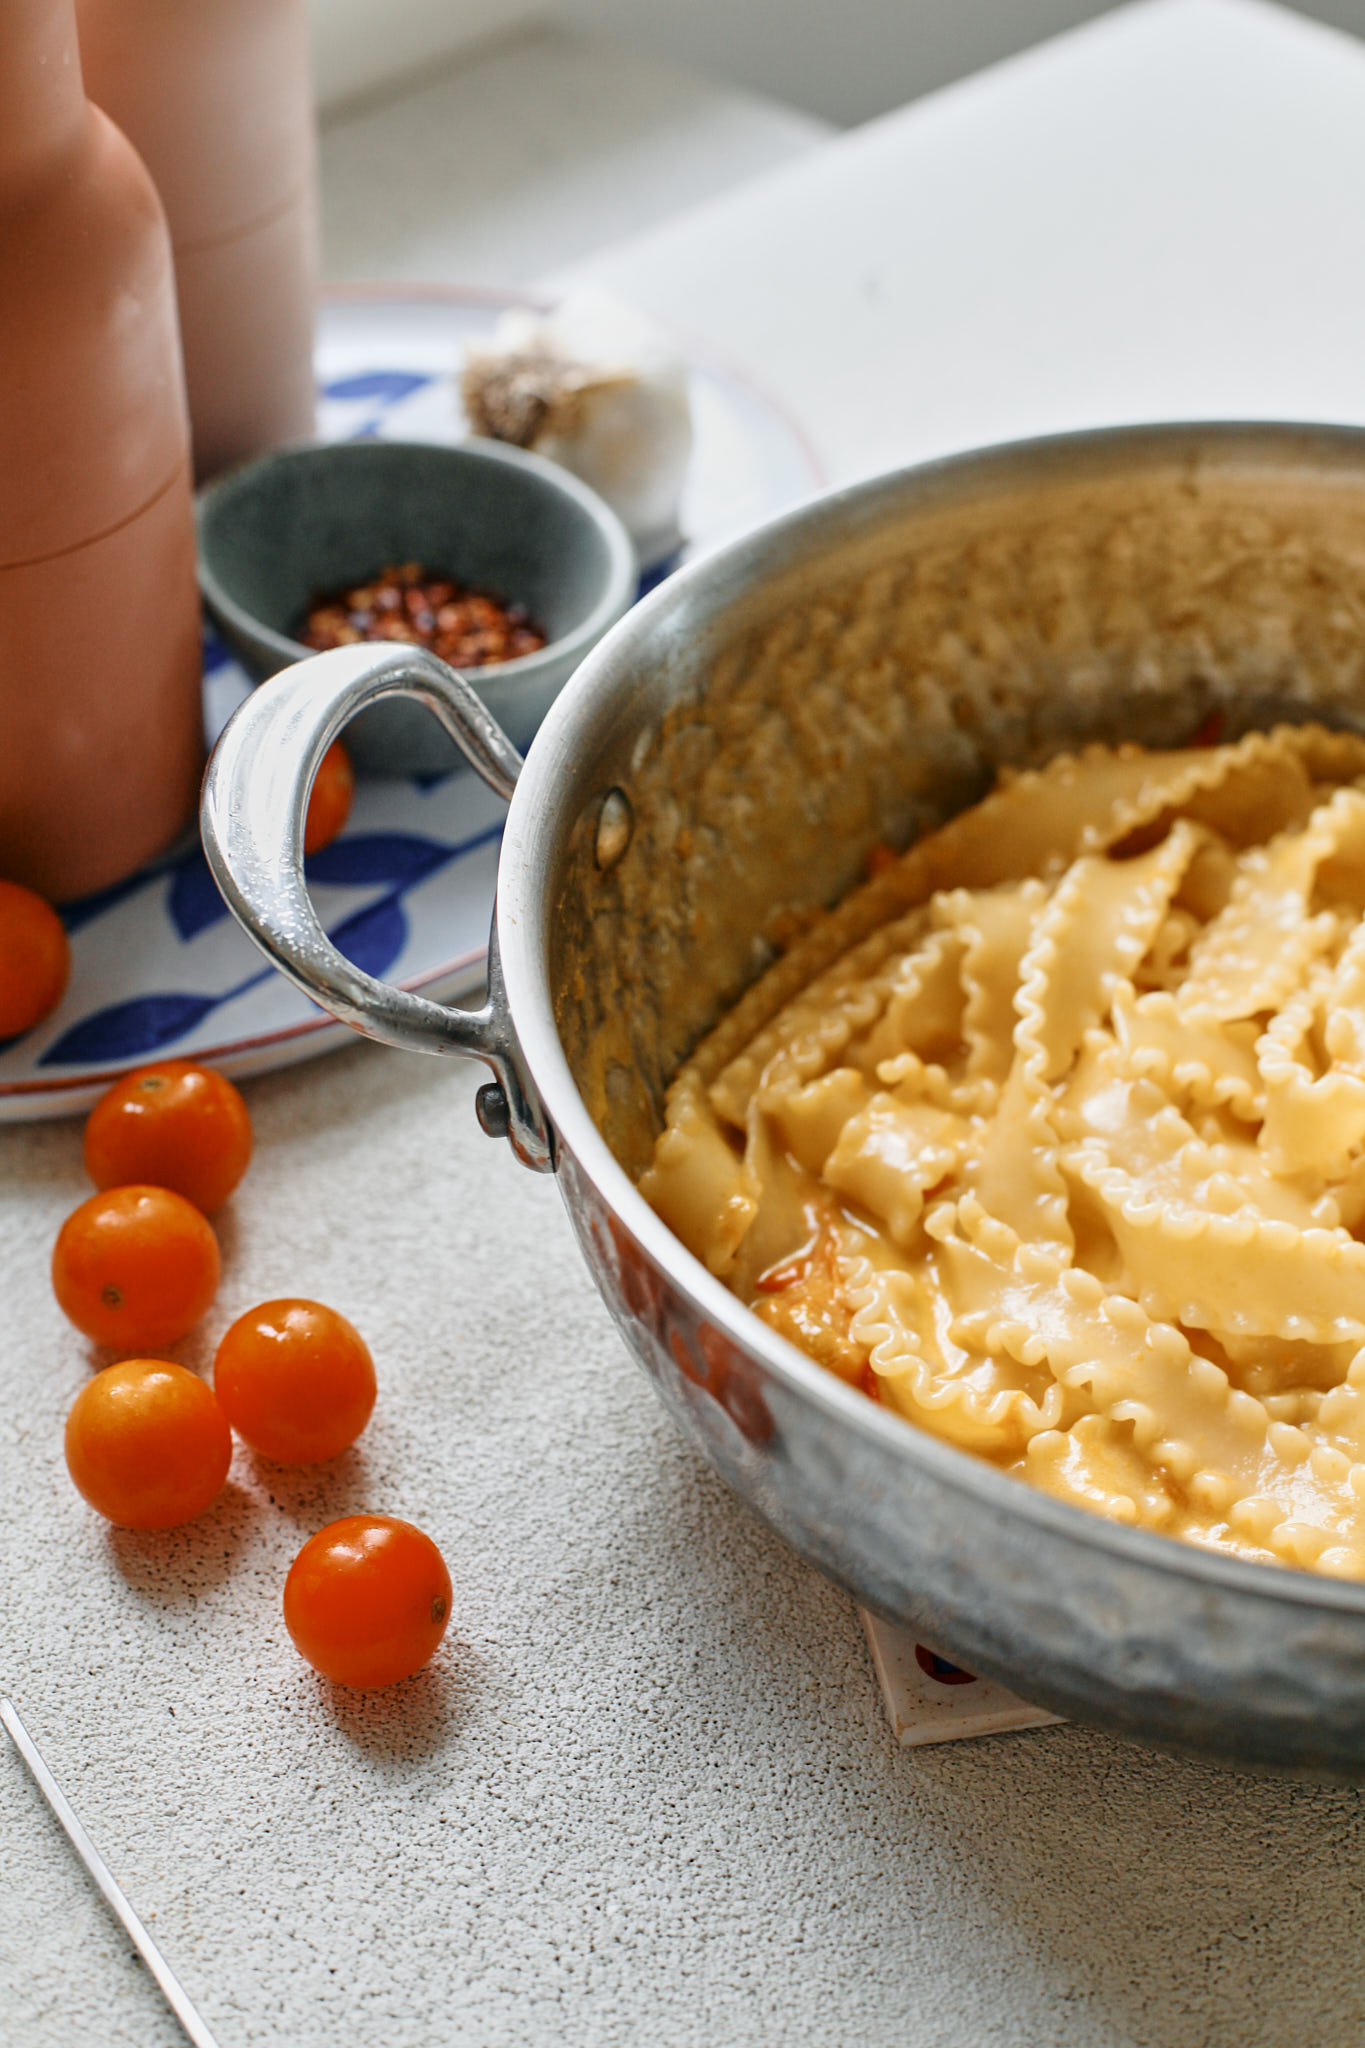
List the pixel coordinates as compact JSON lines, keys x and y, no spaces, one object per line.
{"x":405,"y":602}
{"x":778,"y":1279}
{"x":1212,"y":730}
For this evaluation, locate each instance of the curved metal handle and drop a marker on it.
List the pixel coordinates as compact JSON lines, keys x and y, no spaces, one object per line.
{"x":252,"y":813}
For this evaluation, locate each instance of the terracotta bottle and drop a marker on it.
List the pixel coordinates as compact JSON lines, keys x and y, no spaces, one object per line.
{"x":215,"y":94}
{"x":101,"y":719}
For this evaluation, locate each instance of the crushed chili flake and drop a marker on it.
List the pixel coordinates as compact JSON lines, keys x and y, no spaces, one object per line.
{"x":467,"y":628}
{"x":1211,"y":731}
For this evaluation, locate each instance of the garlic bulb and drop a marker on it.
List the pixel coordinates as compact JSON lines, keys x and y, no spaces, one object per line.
{"x":595,"y":387}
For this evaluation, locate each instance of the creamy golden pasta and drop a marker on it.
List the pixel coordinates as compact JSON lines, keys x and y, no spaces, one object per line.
{"x":1065,"y":1161}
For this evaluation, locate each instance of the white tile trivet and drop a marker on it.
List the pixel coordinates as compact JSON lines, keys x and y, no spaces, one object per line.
{"x":928,"y":1700}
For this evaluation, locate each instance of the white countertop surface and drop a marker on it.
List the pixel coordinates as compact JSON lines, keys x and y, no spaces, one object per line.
{"x":1158,"y":216}
{"x":534,"y":153}
{"x":647,"y":1794}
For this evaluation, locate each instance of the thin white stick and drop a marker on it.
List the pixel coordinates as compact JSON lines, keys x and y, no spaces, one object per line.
{"x":104,"y":1878}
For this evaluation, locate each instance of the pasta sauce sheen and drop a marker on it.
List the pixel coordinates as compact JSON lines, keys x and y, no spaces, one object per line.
{"x":1066,"y":1161}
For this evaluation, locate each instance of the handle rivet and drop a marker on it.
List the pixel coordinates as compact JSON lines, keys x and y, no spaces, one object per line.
{"x":615,"y":824}
{"x":490,"y":1106}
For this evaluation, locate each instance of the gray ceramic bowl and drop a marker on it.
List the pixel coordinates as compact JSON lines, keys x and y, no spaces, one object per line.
{"x":279,"y":531}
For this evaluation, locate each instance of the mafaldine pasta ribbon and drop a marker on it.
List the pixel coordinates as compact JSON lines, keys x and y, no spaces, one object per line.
{"x":1051,"y":1138}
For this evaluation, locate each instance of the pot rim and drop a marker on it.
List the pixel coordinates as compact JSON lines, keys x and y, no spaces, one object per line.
{"x":538,"y":823}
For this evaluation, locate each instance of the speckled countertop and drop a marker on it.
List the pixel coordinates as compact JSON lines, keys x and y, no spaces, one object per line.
{"x":646,"y":1793}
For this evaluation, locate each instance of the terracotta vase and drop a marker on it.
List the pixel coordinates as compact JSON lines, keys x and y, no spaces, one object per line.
{"x":101,"y":720}
{"x":216,"y":96}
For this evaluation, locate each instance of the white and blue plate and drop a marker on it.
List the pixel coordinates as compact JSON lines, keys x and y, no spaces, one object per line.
{"x":160,"y":970}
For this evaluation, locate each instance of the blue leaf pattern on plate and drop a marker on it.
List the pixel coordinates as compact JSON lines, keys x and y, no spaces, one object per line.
{"x":389,"y":386}
{"x":125,"y":1030}
{"x":373,"y":938}
{"x":654,"y":575}
{"x":193,"y":899}
{"x":403,"y":857}
{"x":216,"y":655}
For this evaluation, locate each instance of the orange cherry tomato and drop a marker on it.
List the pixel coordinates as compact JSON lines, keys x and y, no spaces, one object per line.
{"x":147,"y":1444}
{"x":329,"y":805}
{"x":35,"y":959}
{"x":367,"y":1600}
{"x":173,"y":1125}
{"x":135,"y":1267}
{"x":296,"y":1380}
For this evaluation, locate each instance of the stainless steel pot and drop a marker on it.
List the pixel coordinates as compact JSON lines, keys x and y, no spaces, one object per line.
{"x":850,"y":674}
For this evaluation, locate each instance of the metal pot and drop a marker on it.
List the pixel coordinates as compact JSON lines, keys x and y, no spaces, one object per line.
{"x":853,"y":673}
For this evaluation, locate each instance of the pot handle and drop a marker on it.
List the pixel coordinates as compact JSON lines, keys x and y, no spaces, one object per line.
{"x":255,"y":800}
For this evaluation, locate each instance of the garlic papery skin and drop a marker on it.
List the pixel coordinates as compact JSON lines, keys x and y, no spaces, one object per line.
{"x":596,"y":387}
